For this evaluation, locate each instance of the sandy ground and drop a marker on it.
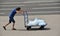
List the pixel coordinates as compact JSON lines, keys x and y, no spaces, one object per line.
{"x":52,"y":29}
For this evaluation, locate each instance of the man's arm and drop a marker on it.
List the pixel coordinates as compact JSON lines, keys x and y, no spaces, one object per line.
{"x":20,"y":12}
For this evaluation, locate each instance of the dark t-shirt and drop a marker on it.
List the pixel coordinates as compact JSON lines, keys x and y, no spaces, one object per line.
{"x":12,"y":14}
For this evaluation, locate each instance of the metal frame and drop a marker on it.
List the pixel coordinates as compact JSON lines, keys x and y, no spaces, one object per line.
{"x":25,"y":18}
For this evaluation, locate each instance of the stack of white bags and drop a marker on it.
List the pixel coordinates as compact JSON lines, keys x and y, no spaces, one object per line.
{"x":36,"y":21}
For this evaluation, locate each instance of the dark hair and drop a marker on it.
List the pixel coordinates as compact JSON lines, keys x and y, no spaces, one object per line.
{"x":18,"y":8}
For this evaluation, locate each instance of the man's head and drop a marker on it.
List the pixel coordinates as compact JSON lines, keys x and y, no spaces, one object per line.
{"x":18,"y":9}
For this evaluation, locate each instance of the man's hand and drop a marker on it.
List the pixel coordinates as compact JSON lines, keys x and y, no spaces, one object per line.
{"x":20,"y":12}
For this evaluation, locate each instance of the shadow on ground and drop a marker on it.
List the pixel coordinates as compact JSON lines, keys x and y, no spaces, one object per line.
{"x":32,"y":29}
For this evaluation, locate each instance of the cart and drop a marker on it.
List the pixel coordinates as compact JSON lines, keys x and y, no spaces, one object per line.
{"x":32,"y":23}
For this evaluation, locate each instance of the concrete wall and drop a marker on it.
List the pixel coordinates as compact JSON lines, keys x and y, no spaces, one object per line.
{"x":24,"y":0}
{"x":32,"y":6}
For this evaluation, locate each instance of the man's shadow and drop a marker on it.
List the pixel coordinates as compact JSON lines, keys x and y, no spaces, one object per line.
{"x":32,"y":29}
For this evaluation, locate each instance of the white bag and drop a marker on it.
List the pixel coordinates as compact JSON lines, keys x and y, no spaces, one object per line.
{"x":36,"y":21}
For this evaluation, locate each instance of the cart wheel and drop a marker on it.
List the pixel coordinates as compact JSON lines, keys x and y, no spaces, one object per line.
{"x":42,"y":27}
{"x":29,"y":27}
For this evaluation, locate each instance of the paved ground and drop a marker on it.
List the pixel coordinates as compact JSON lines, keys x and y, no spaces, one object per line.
{"x":51,"y":14}
{"x":52,"y":29}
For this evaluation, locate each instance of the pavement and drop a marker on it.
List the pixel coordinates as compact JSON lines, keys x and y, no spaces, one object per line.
{"x":52,"y":28}
{"x":49,"y":10}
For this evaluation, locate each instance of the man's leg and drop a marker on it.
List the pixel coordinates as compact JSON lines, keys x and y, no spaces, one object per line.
{"x":13,"y":25}
{"x":5,"y":26}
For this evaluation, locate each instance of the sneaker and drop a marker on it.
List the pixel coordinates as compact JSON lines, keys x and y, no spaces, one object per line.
{"x":4,"y":27}
{"x":13,"y":29}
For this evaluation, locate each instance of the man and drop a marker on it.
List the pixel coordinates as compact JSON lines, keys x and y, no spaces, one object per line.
{"x":11,"y":17}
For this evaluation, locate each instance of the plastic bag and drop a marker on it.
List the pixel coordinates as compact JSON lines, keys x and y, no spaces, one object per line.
{"x":37,"y":21}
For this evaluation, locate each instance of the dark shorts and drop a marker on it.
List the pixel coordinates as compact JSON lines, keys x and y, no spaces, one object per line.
{"x":11,"y":19}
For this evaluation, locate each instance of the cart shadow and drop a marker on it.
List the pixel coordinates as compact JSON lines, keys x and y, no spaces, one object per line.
{"x":40,"y":29}
{"x":33,"y":29}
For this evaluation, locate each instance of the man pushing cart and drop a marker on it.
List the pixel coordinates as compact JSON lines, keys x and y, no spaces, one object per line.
{"x":28,"y":23}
